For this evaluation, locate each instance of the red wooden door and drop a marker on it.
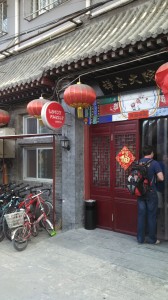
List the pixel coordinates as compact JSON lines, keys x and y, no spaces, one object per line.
{"x":116,"y":208}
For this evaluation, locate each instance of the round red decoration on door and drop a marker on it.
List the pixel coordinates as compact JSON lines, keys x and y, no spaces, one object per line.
{"x":53,"y":115}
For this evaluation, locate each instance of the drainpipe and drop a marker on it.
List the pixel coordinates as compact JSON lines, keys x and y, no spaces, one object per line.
{"x":114,"y":5}
{"x":70,"y":26}
{"x":16,"y":24}
{"x":62,"y":30}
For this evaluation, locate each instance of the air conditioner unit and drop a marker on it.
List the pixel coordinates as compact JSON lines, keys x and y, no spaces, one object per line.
{"x":7,"y":146}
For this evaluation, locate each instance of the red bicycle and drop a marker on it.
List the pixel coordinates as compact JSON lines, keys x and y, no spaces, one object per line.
{"x":31,"y":205}
{"x":30,"y":224}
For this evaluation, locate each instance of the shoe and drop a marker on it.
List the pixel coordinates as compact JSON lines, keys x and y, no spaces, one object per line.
{"x":157,"y":242}
{"x":141,"y":242}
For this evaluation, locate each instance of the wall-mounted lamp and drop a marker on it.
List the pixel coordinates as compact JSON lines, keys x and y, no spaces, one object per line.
{"x":65,"y":143}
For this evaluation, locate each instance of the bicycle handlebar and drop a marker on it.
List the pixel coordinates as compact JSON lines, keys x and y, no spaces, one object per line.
{"x":23,"y":188}
{"x":42,"y":191}
{"x":35,"y":187}
{"x":47,"y":190}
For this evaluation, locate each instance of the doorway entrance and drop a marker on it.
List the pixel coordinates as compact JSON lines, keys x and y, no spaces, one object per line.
{"x":155,"y":132}
{"x":116,"y":208}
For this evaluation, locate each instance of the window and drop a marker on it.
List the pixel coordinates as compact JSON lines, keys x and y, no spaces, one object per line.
{"x":32,"y":125}
{"x":37,"y":159}
{"x":34,"y":8}
{"x":3,"y":18}
{"x":37,"y":163}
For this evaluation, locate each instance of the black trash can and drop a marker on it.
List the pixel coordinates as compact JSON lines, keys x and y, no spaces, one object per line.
{"x":90,"y":214}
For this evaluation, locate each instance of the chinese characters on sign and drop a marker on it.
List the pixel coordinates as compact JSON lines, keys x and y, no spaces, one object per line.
{"x":130,"y":79}
{"x":128,"y":94}
{"x":125,"y":158}
{"x":121,"y":82}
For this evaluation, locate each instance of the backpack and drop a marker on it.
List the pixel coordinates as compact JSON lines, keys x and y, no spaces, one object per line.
{"x":138,"y":182}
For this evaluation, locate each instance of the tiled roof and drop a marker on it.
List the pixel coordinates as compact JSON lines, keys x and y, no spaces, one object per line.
{"x":112,"y":31}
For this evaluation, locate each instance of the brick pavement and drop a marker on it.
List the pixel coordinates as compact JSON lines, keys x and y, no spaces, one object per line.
{"x":84,"y":264}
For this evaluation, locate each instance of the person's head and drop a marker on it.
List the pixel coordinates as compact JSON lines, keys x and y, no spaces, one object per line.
{"x":148,"y":150}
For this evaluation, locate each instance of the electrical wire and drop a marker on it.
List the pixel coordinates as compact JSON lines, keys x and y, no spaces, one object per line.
{"x":55,"y":22}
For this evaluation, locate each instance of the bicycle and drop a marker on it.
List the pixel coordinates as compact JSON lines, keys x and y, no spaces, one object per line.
{"x":11,"y":204}
{"x":7,"y":205}
{"x":27,"y":202}
{"x":30,"y":225}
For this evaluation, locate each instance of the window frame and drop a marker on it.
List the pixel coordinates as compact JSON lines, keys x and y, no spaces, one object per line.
{"x":36,"y":8}
{"x":3,"y":12}
{"x":25,"y":118}
{"x":36,"y":148}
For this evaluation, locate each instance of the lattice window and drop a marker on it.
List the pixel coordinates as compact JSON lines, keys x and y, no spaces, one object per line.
{"x":3,"y":18}
{"x":34,"y":8}
{"x":128,"y":140}
{"x":101,"y":161}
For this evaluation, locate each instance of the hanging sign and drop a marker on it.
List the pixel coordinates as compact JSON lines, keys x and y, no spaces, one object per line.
{"x":125,"y":158}
{"x":53,"y":115}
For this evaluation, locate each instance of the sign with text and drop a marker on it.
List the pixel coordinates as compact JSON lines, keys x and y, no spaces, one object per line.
{"x":128,"y":79}
{"x":53,"y":115}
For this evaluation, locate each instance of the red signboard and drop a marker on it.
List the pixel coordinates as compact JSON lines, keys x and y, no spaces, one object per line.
{"x":109,"y":109}
{"x":53,"y":115}
{"x":125,"y":158}
{"x":142,"y":114}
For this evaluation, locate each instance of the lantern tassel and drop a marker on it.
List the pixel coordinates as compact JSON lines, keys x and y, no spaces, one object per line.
{"x":40,"y":120}
{"x":80,"y":112}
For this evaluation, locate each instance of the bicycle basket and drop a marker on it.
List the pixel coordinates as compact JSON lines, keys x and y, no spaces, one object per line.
{"x":15,"y":219}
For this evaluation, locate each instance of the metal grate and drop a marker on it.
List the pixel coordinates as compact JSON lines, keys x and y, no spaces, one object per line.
{"x":101,"y":161}
{"x":128,"y":140}
{"x":34,"y":8}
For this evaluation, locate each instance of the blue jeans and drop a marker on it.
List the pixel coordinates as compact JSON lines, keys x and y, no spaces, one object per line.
{"x":147,"y":215}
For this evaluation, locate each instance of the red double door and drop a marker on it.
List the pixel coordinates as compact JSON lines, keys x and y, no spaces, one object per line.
{"x":116,"y":208}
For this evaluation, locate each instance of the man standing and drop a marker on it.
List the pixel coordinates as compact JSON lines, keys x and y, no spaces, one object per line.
{"x":148,"y":204}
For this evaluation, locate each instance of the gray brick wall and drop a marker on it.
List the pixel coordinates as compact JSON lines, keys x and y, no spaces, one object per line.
{"x":72,"y":173}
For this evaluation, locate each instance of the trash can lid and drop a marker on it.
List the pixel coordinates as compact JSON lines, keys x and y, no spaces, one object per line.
{"x":90,"y":201}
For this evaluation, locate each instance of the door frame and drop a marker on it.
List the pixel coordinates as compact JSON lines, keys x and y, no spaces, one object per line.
{"x":115,"y":127}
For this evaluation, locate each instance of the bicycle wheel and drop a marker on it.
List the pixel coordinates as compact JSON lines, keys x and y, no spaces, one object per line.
{"x":19,"y":238}
{"x":34,"y":229}
{"x":2,"y":235}
{"x":48,"y":208}
{"x":48,"y":226}
{"x":6,"y":229}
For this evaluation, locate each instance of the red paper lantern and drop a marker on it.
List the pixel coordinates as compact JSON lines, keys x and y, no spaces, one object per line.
{"x":164,"y":85}
{"x":4,"y":117}
{"x":160,"y":74}
{"x":161,"y":78}
{"x":34,"y":107}
{"x":79,"y":96}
